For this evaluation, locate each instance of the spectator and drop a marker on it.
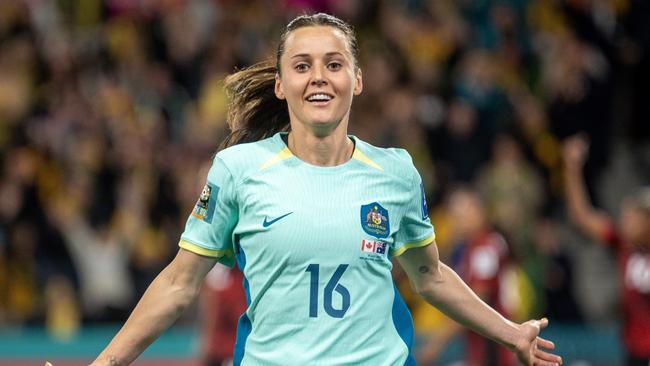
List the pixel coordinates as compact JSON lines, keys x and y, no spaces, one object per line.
{"x":629,"y":239}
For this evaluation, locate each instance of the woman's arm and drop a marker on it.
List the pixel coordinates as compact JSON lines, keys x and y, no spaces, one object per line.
{"x":590,"y":220}
{"x":440,"y":286}
{"x":176,"y":287}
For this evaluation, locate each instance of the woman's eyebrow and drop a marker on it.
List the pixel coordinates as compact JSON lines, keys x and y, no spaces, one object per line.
{"x":306,"y":55}
{"x":330,"y":54}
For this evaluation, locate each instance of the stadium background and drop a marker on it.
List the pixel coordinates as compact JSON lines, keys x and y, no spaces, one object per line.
{"x":110,"y":111}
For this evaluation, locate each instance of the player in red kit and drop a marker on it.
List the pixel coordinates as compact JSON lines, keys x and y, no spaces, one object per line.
{"x":629,"y":239}
{"x":222,"y":302}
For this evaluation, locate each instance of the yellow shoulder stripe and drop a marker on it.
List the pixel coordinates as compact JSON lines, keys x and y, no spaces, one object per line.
{"x":358,"y":155}
{"x":417,"y":244}
{"x":203,"y":251}
{"x":282,"y":155}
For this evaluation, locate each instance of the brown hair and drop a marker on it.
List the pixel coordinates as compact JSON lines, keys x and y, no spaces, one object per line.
{"x":254,"y":111}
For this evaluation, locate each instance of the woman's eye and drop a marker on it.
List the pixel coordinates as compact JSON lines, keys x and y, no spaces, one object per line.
{"x":334,"y":66}
{"x":301,"y":67}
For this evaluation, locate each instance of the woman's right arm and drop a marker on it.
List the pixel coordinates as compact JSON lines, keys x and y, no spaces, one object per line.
{"x":441,"y":287}
{"x":588,"y":218}
{"x":175,"y":288}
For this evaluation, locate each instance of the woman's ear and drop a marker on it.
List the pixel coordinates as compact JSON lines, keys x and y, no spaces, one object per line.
{"x":358,"y":83}
{"x":278,"y":87}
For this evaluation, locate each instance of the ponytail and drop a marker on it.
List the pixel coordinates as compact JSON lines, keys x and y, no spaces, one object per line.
{"x":254,"y":112}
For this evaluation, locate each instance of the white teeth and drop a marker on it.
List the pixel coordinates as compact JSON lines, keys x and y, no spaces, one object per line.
{"x":319,"y":98}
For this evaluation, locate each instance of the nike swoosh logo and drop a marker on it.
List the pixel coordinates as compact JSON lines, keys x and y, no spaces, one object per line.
{"x":267,"y":223}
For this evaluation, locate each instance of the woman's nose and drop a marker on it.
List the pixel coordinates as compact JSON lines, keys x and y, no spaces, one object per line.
{"x":318,"y":77}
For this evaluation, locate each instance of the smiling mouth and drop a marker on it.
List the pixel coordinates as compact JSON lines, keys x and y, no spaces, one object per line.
{"x":319,"y":98}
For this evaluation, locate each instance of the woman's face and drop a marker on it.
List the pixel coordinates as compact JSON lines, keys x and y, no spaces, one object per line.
{"x":467,"y":213}
{"x":635,"y":226}
{"x":318,"y":78}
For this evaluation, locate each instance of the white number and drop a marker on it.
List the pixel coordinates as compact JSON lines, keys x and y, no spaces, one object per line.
{"x":638,"y":273}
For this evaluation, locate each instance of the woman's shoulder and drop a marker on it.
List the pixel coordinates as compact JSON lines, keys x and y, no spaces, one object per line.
{"x":391,"y":159}
{"x":243,"y":158}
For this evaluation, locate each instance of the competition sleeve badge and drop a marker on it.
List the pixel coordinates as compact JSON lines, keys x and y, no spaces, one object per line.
{"x":425,"y":209}
{"x":204,"y":208}
{"x":374,"y":220}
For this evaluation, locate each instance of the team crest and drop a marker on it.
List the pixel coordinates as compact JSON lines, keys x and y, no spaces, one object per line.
{"x":204,"y":208}
{"x":374,"y":220}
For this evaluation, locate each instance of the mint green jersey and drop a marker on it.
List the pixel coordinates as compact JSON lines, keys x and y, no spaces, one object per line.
{"x":315,"y":247}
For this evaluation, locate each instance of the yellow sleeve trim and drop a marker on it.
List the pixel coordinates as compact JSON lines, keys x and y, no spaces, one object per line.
{"x":358,"y":155}
{"x":203,"y":251}
{"x":282,"y":155}
{"x":417,"y":244}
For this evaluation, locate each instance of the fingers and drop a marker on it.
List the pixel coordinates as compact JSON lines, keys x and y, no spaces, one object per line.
{"x":541,"y":356}
{"x":537,"y":326}
{"x":543,"y":323}
{"x":545,"y":363}
{"x":541,"y":342}
{"x":575,"y":149}
{"x":579,"y":140}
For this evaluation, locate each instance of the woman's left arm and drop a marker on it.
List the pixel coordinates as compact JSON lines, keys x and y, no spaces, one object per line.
{"x":441,"y":287}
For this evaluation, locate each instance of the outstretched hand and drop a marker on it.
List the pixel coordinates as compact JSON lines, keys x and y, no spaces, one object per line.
{"x":575,"y":150}
{"x":529,"y":350}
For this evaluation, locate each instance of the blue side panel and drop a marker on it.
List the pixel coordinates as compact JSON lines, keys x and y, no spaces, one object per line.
{"x":244,"y":325}
{"x":243,"y":330}
{"x":404,"y":325}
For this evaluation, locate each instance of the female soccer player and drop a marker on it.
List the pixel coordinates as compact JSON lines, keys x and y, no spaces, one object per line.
{"x":630,"y":239}
{"x":312,"y":217}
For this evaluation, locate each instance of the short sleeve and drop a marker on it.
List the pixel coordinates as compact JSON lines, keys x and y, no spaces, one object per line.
{"x":208,"y":230}
{"x":415,"y":228}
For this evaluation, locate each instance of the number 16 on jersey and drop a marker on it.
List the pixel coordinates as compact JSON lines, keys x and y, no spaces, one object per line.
{"x":332,"y":285}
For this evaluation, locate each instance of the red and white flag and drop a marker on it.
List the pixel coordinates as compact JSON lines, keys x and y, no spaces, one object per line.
{"x":368,"y":246}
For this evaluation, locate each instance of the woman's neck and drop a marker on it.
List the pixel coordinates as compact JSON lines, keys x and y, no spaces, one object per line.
{"x":331,"y":150}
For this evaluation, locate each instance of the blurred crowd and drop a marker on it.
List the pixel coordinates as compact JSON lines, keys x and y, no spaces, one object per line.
{"x":110,"y":112}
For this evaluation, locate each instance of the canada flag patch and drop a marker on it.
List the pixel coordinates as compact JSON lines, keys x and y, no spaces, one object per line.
{"x":373,"y":246}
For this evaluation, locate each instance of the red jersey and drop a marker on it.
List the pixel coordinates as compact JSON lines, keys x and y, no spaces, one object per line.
{"x":635,"y":269}
{"x":482,"y":267}
{"x":224,"y":302}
